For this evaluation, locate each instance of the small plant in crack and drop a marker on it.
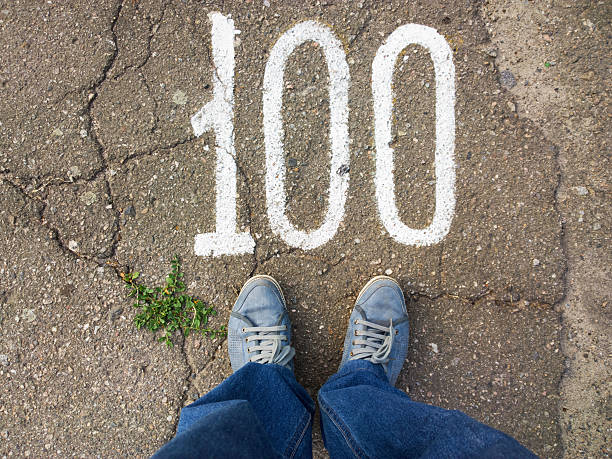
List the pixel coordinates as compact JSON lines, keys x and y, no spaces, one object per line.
{"x":168,"y":309}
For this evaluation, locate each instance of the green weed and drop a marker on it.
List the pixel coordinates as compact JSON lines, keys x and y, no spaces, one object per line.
{"x":168,"y":309}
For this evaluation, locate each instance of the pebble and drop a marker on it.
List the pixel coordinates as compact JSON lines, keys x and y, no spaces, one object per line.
{"x":179,"y":98}
{"x":74,"y":172}
{"x":507,"y":80}
{"x":434,"y":347}
{"x":536,"y":262}
{"x":73,"y":245}
{"x":89,"y":197}
{"x":4,"y":361}
{"x":581,"y":190}
{"x":28,"y":315}
{"x":130,"y":211}
{"x":115,"y":313}
{"x":388,"y":272}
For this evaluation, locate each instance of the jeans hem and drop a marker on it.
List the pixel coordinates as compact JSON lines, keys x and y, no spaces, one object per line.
{"x":298,"y":436}
{"x":342,"y":428}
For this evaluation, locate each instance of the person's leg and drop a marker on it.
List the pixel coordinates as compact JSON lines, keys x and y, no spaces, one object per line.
{"x":260,"y":410}
{"x":363,"y":415}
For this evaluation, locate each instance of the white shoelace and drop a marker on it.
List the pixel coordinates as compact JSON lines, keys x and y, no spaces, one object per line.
{"x":269,"y":347}
{"x":375,"y":346}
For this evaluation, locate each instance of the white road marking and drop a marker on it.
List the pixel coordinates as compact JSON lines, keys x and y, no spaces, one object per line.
{"x":382,"y":75}
{"x":218,"y":115}
{"x":338,"y":132}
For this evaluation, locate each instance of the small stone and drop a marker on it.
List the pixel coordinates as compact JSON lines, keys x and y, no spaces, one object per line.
{"x":507,"y":80}
{"x":511,"y":106}
{"x":581,"y":190}
{"x":115,"y":313}
{"x":376,"y":262}
{"x":57,"y":132}
{"x":73,"y":245}
{"x":28,"y":315}
{"x":266,"y":3}
{"x":179,"y":98}
{"x":536,"y":262}
{"x":357,"y":241}
{"x":343,"y":170}
{"x":4,"y":361}
{"x":492,"y":52}
{"x":292,"y":162}
{"x":596,"y":226}
{"x":434,"y":347}
{"x":388,"y":272}
{"x":74,"y":172}
{"x":129,"y":211}
{"x":83,"y":133}
{"x":89,"y":197}
{"x":169,"y":418}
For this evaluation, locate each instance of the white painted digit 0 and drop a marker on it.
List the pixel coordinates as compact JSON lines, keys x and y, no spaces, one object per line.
{"x":382,"y":75}
{"x":338,"y":132}
{"x":218,"y":115}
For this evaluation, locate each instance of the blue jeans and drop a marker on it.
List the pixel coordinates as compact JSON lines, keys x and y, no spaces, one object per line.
{"x":261,"y":411}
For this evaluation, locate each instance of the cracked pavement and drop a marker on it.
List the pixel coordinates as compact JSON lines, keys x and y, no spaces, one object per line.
{"x":100,"y":171}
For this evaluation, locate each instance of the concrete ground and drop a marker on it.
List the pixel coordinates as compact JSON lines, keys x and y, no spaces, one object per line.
{"x":101,"y":171}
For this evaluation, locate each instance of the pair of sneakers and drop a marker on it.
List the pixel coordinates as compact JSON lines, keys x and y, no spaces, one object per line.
{"x":259,"y":328}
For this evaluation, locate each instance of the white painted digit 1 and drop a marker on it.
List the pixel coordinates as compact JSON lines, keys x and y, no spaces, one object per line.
{"x":338,"y":132}
{"x":382,"y":74}
{"x":218,"y":115}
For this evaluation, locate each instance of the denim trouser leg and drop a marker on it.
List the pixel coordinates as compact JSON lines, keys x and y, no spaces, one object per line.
{"x":362,"y":415}
{"x":259,"y":411}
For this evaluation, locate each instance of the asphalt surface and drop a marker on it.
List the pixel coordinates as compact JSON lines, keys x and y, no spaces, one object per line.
{"x":101,"y":172}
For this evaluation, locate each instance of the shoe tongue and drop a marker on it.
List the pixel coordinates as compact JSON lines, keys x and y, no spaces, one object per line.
{"x":384,"y":323}
{"x":374,"y":320}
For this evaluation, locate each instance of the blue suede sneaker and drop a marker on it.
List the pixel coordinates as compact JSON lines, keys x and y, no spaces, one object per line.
{"x":259,"y":328}
{"x":378,"y":329}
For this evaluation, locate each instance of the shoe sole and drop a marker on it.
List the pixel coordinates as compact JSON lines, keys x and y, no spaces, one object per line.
{"x":271,"y":279}
{"x":372,"y":281}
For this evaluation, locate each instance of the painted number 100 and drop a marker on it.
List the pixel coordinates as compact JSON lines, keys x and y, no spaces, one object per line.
{"x":218,"y":116}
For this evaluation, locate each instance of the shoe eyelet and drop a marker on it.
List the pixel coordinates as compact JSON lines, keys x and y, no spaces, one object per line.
{"x":351,"y":353}
{"x":355,"y":332}
{"x":356,"y":321}
{"x":243,"y":331}
{"x":396,"y":332}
